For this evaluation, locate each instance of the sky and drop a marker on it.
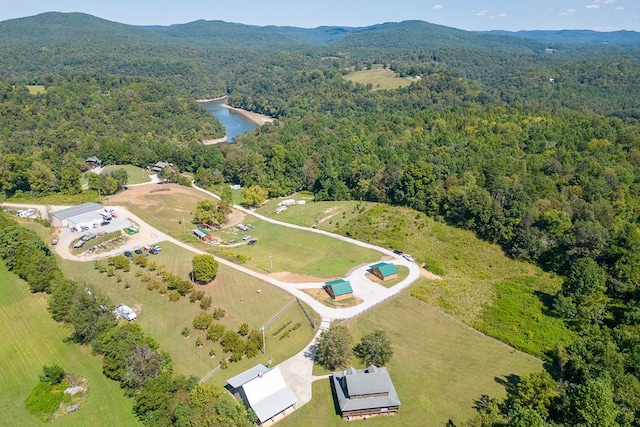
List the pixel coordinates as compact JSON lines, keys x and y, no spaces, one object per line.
{"x":475,"y":15}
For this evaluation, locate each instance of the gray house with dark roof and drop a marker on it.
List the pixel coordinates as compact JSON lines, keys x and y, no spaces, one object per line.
{"x":362,"y":393}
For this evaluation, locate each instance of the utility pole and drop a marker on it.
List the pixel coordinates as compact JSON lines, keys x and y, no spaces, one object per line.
{"x":271,"y":264}
{"x":264,"y":341}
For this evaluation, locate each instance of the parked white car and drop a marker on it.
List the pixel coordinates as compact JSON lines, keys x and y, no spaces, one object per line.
{"x":407,"y":257}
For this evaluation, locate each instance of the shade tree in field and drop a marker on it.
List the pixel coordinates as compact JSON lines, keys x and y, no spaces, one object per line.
{"x":374,"y":348}
{"x":205,"y":268}
{"x":333,"y":350}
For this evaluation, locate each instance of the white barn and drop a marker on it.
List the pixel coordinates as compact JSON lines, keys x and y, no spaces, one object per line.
{"x":265,"y":392}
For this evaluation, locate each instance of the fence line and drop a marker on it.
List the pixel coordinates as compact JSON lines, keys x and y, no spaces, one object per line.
{"x":349,"y":319}
{"x":275,"y":316}
{"x":309,"y":318}
{"x":210,"y":374}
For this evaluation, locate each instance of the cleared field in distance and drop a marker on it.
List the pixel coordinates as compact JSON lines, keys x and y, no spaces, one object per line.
{"x":31,"y":339}
{"x":136,"y":175}
{"x":163,"y":320}
{"x":326,"y":216}
{"x":439,"y":367}
{"x":36,"y":89}
{"x":380,"y":79}
{"x":167,"y":207}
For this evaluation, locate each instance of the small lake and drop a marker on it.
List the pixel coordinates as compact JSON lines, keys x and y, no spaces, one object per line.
{"x":234,"y":123}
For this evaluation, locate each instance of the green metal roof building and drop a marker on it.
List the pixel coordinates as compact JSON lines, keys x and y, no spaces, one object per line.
{"x":339,"y":289}
{"x":384,"y":270}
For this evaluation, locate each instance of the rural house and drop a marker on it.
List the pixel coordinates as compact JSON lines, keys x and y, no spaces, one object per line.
{"x":362,"y":393}
{"x":264,"y":391}
{"x":160,"y":166}
{"x":201,"y":234}
{"x":93,"y":162}
{"x":384,"y":270}
{"x":339,"y":289}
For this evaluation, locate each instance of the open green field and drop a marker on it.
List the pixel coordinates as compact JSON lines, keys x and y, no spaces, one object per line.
{"x":56,"y":199}
{"x":36,"y":89}
{"x":290,"y":250}
{"x":164,"y":320}
{"x":31,"y":339}
{"x":481,"y":286}
{"x":301,"y":252}
{"x":136,"y":175}
{"x":439,"y":367}
{"x":379,"y":79}
{"x":326,"y":216}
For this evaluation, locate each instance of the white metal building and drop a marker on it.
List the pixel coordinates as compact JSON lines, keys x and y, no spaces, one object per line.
{"x":84,"y":215}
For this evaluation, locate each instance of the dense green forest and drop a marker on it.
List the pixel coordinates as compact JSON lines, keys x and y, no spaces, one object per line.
{"x":536,"y":149}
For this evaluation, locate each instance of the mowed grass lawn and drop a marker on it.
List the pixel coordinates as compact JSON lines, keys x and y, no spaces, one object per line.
{"x":440,"y":367}
{"x":302,"y":252}
{"x":326,"y":216}
{"x":291,"y":250}
{"x":379,"y":79}
{"x":164,"y":320}
{"x":136,"y":175}
{"x":31,"y":339}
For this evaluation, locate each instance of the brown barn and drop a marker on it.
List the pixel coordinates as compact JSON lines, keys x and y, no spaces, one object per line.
{"x":363,"y":393}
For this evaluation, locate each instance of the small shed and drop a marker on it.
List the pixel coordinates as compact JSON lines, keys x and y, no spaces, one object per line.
{"x":201,"y":234}
{"x":339,"y":289}
{"x":93,"y":162}
{"x":125,"y":312}
{"x":384,"y":270}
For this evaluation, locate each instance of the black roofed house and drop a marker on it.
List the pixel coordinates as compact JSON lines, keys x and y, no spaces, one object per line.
{"x":160,"y":166}
{"x":362,"y":393}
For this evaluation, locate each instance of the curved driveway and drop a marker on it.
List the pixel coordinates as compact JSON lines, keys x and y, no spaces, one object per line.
{"x":370,"y":292}
{"x":298,"y":369}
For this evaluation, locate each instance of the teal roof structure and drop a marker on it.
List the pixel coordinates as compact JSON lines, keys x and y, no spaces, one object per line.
{"x":340,"y":287}
{"x":386,"y":269}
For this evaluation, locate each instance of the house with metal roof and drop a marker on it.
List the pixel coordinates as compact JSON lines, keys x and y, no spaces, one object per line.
{"x":362,"y":393}
{"x":339,"y":289}
{"x":201,"y":234}
{"x":264,"y":391}
{"x":384,"y":270}
{"x":93,"y":162}
{"x":85,"y":214}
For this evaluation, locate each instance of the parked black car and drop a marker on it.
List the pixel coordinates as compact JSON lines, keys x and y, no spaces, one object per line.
{"x":128,"y":254}
{"x":252,"y":242}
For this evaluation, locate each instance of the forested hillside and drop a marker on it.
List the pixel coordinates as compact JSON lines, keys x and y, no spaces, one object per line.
{"x":535,"y":149}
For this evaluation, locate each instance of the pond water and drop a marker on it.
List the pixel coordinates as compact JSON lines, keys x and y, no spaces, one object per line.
{"x":234,"y":123}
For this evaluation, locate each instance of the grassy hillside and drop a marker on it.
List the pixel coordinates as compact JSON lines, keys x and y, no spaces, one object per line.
{"x":31,"y":339}
{"x":481,"y":286}
{"x":440,"y":367}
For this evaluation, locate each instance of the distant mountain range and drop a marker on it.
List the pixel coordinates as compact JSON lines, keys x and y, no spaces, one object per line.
{"x":69,"y":29}
{"x":577,"y":36}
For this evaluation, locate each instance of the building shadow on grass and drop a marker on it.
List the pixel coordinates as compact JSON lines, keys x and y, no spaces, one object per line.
{"x":336,"y":405}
